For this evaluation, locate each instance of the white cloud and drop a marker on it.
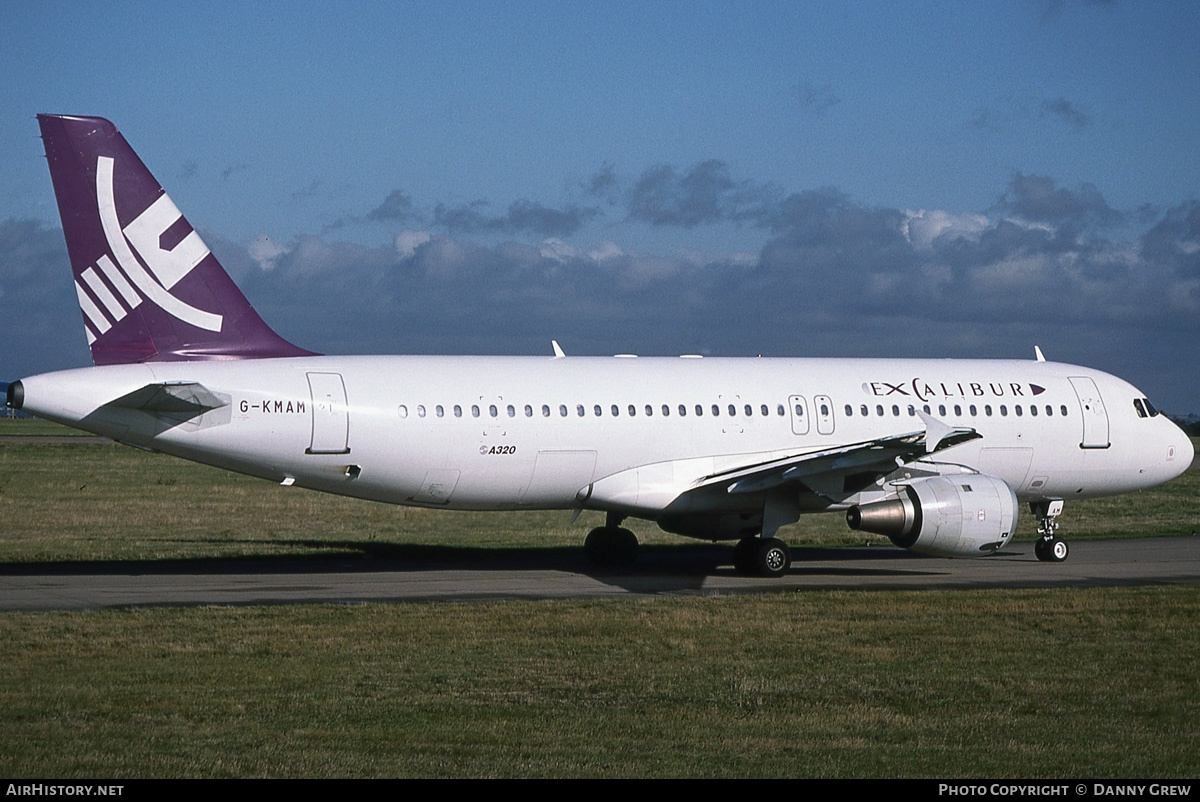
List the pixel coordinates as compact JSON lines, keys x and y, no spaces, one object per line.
{"x":924,"y":226}
{"x":408,"y":241}
{"x":556,"y":250}
{"x":265,"y":251}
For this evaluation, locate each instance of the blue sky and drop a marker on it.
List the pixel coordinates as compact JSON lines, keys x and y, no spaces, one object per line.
{"x":795,"y":179}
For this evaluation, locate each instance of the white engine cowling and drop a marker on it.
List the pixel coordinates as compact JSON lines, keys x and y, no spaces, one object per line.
{"x":960,"y":516}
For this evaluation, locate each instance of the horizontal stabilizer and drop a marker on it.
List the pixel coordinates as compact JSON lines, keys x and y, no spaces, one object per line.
{"x":171,"y":398}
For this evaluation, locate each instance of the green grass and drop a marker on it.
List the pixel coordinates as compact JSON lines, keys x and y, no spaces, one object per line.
{"x":29,"y":427}
{"x":1070,"y":683}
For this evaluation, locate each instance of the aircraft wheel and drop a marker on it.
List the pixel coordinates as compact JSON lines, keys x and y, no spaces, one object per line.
{"x":773,"y":558}
{"x":611,"y":546}
{"x":1051,"y":550}
{"x":743,"y":555}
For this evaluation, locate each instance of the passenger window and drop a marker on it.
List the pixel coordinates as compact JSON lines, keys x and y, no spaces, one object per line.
{"x":579,"y":410}
{"x":457,"y":411}
{"x":716,"y":410}
{"x":779,"y":410}
{"x":942,"y":410}
{"x":1063,"y":410}
{"x":474,"y":410}
{"x":440,"y":412}
{"x":403,"y":411}
{"x":849,"y":411}
{"x":495,"y":413}
{"x":749,"y":411}
{"x":1003,"y":411}
{"x":545,"y":410}
{"x":666,"y":411}
{"x":699,"y":410}
{"x":764,"y":410}
{"x":632,"y":410}
{"x":616,"y":410}
{"x":649,"y":410}
{"x":1017,"y":409}
{"x":1049,"y":410}
{"x":1033,"y":410}
{"x":732,"y":411}
{"x":562,"y":410}
{"x":863,"y":408}
{"x":987,"y":410}
{"x":597,"y":410}
{"x":895,"y":411}
{"x":420,"y":410}
{"x":974,"y":411}
{"x":879,"y":410}
{"x":682,"y":411}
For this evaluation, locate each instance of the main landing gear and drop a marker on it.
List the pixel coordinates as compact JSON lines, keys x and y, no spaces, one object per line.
{"x":769,"y":557}
{"x":1049,"y":547}
{"x":611,"y":545}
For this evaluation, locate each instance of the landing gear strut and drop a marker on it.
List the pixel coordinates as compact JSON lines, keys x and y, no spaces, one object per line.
{"x":1049,"y":547}
{"x":611,"y":545}
{"x":769,"y":557}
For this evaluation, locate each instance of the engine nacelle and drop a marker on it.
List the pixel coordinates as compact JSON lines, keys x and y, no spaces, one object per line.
{"x":959,"y":516}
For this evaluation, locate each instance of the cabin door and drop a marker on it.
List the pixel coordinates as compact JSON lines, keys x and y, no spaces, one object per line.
{"x":1095,"y":417}
{"x":330,"y":415}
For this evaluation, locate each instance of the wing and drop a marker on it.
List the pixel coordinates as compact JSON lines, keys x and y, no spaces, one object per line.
{"x":680,"y":487}
{"x":829,"y":472}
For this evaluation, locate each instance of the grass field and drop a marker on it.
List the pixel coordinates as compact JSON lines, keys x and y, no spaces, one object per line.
{"x":1060,"y":683}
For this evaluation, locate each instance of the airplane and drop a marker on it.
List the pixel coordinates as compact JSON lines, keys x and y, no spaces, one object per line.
{"x":937,"y":455}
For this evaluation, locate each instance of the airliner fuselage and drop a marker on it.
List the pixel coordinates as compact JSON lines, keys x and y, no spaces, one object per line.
{"x":561,"y":432}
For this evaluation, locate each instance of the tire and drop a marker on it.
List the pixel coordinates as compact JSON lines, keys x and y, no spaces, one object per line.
{"x":773,"y":558}
{"x":1059,"y":550}
{"x":1051,"y":550}
{"x":743,"y":555}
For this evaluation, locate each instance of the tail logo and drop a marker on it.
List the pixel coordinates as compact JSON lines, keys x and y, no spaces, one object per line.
{"x":150,"y":234}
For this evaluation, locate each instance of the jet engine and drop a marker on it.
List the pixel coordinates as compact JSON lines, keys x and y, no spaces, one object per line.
{"x":960,"y":516}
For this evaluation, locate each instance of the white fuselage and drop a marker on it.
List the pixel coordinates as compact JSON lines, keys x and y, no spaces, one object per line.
{"x":626,"y":434}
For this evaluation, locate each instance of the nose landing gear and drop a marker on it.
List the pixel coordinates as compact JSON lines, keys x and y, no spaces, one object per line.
{"x":1049,"y":547}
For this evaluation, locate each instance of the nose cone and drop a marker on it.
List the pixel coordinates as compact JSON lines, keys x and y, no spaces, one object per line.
{"x":1185,"y":452}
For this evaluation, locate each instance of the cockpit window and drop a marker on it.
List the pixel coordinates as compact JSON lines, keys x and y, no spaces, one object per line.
{"x":1145,"y":409}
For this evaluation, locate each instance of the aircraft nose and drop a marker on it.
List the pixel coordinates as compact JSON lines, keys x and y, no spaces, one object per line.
{"x":1185,"y":452}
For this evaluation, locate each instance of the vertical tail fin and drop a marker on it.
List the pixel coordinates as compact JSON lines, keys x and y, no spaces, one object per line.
{"x":148,"y":286}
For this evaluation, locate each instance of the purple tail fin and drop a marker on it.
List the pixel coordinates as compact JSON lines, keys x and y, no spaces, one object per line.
{"x":149,"y":288}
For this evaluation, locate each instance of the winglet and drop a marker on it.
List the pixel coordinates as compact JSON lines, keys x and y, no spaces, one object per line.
{"x":937,"y":433}
{"x":558,"y":351}
{"x":1037,"y":352}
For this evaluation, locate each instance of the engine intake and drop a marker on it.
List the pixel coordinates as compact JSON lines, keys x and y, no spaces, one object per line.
{"x":963,"y":516}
